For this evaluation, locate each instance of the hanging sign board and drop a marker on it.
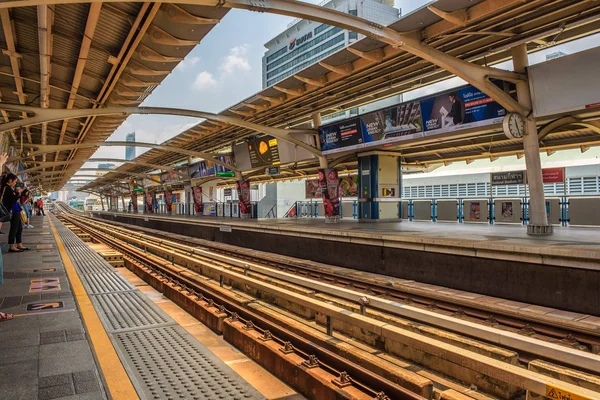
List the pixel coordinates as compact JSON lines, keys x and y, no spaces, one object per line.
{"x":507,"y":178}
{"x":273,"y":171}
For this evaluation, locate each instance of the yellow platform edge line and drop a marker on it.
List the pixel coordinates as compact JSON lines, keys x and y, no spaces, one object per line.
{"x":117,"y":380}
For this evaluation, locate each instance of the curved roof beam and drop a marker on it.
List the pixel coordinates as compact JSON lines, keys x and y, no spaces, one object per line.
{"x":51,"y":148}
{"x":411,"y":42}
{"x":564,"y":121}
{"x":45,"y":164}
{"x":126,"y":173}
{"x":44,"y":115}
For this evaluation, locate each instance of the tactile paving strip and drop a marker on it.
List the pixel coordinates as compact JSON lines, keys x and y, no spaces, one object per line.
{"x":163,"y":360}
{"x":127,"y":310}
{"x":106,"y":282}
{"x":172,"y":366}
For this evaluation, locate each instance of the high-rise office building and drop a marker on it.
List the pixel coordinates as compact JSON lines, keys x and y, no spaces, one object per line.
{"x":104,"y":166}
{"x":305,"y":42}
{"x":130,"y":150}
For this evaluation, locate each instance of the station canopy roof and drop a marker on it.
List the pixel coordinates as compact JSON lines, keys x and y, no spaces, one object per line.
{"x":376,"y":71}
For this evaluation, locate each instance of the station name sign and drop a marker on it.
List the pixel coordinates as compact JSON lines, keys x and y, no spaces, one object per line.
{"x":507,"y":178}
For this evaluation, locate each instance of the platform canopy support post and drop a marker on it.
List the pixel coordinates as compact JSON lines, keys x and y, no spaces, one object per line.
{"x":538,"y":219}
{"x":317,"y":122}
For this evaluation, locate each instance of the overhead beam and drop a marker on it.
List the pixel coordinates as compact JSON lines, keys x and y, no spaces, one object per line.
{"x":564,"y":121}
{"x":458,"y":18}
{"x":344,"y":70}
{"x":50,"y":115}
{"x":44,"y":149}
{"x":46,"y":164}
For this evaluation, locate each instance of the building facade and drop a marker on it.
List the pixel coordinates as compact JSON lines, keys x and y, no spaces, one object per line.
{"x":130,"y":150}
{"x":304,"y":42}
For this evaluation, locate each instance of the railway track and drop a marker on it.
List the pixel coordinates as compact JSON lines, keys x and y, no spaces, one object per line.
{"x":541,"y":339}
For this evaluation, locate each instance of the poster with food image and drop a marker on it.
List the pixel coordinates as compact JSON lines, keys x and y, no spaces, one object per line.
{"x":475,"y":211}
{"x":149,"y":201}
{"x":507,"y":211}
{"x":348,"y":186}
{"x":198,"y":205}
{"x":264,"y":152}
{"x":329,"y":181}
{"x":313,"y":189}
{"x":243,"y":191}
{"x":168,"y":200}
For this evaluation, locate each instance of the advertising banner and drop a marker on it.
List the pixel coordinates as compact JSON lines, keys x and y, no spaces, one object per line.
{"x":328,"y":178}
{"x":342,"y":136}
{"x":223,"y":172}
{"x":507,"y":211}
{"x":553,"y":175}
{"x":149,"y":201}
{"x":507,"y":178}
{"x":202,"y":169}
{"x":134,"y":204}
{"x":168,"y":200}
{"x":263,"y":151}
{"x":348,"y":187}
{"x":154,"y":180}
{"x":179,"y":174}
{"x":243,"y":191}
{"x":475,"y":211}
{"x":462,"y":108}
{"x":313,"y":189}
{"x":210,"y":210}
{"x":198,"y":203}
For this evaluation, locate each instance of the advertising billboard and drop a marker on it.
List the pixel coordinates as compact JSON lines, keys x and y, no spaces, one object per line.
{"x":461,"y":108}
{"x":208,"y":168}
{"x":223,"y":172}
{"x":329,"y":181}
{"x":263,"y":151}
{"x":348,"y":187}
{"x":198,"y":203}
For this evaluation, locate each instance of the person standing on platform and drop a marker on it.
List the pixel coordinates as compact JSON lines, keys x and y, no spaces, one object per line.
{"x":3,"y":158}
{"x":11,"y":200}
{"x":26,"y":201}
{"x":40,"y":204}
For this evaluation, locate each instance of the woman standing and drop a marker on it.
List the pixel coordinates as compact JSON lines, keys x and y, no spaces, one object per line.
{"x":3,"y":316}
{"x":26,"y":204}
{"x":10,"y":199}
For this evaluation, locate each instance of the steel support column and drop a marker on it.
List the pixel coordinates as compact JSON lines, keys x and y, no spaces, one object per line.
{"x":317,"y":122}
{"x":538,"y":219}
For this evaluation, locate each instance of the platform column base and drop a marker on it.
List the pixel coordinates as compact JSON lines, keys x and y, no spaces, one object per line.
{"x":332,"y":220}
{"x":540,"y":230}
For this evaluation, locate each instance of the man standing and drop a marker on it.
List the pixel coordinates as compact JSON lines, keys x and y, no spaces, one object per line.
{"x":40,"y":204}
{"x":456,"y":112}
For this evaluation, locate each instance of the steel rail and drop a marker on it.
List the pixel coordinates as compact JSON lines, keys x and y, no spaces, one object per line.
{"x":534,"y":382}
{"x":490,"y":334}
{"x":362,"y":378}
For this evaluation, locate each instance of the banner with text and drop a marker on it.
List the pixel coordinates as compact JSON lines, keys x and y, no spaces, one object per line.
{"x":149,"y":201}
{"x":243,"y":192}
{"x":348,"y":187}
{"x":462,"y":108}
{"x":507,"y":178}
{"x":198,"y":203}
{"x":329,"y":181}
{"x":168,"y":200}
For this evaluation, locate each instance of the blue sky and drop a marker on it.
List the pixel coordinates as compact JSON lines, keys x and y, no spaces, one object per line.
{"x":222,"y":70}
{"x":225,"y":68}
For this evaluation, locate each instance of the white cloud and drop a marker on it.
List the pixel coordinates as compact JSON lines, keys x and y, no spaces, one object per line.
{"x":204,"y":80}
{"x":187,"y":63}
{"x":236,"y":60}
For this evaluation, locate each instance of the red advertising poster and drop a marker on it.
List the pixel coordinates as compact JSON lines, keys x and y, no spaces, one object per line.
{"x":168,"y":200}
{"x":553,"y":175}
{"x":149,"y":201}
{"x":134,"y":205}
{"x":330,"y":192}
{"x":243,"y":191}
{"x":198,"y":205}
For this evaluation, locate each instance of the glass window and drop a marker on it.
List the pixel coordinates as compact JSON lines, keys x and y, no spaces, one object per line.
{"x":300,"y":49}
{"x":304,"y":64}
{"x":277,"y":54}
{"x":321,"y":28}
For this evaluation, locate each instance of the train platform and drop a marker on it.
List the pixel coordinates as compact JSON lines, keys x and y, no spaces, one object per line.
{"x":496,"y":260}
{"x":83,"y":330}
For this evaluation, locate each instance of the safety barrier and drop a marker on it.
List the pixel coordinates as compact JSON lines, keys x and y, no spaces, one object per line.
{"x":562,"y":210}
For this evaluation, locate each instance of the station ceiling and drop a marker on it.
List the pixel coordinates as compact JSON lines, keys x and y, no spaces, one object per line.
{"x":367,"y":71}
